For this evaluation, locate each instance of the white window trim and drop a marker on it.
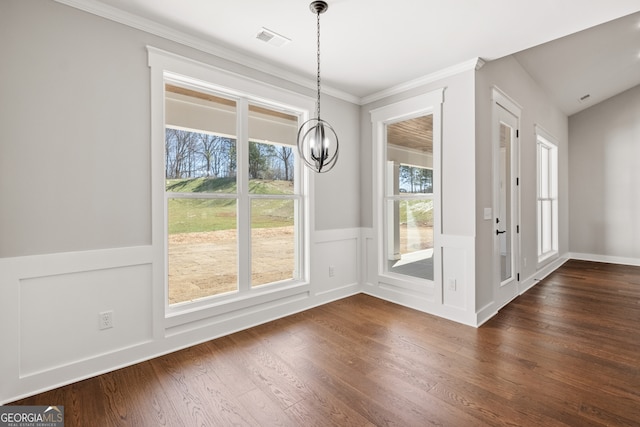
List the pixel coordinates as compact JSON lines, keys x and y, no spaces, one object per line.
{"x":545,"y":138}
{"x":245,"y":89}
{"x":429,"y":103}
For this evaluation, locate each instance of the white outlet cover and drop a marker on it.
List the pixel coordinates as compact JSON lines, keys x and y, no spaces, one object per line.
{"x":105,"y":320}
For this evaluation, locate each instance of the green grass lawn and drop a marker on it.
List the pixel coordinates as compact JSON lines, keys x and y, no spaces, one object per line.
{"x":201,"y":185}
{"x":417,"y":212}
{"x":198,"y":215}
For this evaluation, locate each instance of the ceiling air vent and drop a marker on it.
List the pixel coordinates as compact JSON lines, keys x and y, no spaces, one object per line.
{"x":272,"y":37}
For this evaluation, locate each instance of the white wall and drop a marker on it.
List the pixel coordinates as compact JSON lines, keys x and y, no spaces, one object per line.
{"x":604,"y":180}
{"x":75,"y":216}
{"x":537,"y":109}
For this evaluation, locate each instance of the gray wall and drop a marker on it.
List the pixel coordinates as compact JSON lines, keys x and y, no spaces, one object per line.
{"x":604,"y":180}
{"x":74,"y":149}
{"x":457,"y":152}
{"x":455,"y":241}
{"x":337,"y":193}
{"x":75,"y":142}
{"x":537,"y":108}
{"x":75,"y":204}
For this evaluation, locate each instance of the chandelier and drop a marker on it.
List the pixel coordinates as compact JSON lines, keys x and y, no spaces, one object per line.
{"x":317,"y":141}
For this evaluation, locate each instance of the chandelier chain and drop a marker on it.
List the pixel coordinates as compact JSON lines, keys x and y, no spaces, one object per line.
{"x":318,"y":59}
{"x":317,"y":141}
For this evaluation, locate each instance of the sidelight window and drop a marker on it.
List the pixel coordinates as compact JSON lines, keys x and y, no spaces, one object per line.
{"x":547,"y":204}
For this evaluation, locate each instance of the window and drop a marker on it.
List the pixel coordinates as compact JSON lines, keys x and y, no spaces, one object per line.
{"x":547,"y":205}
{"x":409,"y":197}
{"x":407,"y":176}
{"x":230,"y":212}
{"x":205,"y":204}
{"x":201,"y":193}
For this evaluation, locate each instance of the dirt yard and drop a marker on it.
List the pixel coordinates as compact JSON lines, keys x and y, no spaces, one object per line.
{"x":205,"y":264}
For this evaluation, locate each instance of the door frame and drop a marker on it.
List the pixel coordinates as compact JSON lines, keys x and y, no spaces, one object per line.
{"x":505,"y":292}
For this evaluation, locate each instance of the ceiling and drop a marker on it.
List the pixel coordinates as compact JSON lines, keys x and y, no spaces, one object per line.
{"x":594,"y":64}
{"x":414,"y":134}
{"x":375,"y":45}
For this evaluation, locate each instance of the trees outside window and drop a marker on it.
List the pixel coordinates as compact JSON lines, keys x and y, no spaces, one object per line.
{"x":414,"y":179}
{"x":213,"y":178}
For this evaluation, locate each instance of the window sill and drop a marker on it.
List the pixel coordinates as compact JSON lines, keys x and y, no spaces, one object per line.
{"x":214,"y":307}
{"x":547,"y":259}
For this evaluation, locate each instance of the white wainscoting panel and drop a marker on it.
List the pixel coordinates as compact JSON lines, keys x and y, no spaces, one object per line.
{"x":369,"y":264}
{"x":335,"y":269}
{"x":49,"y":307}
{"x":59,"y":315}
{"x":440,"y":298}
{"x":455,"y":277}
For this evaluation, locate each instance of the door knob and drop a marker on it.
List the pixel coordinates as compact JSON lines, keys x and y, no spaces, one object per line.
{"x":500,"y":232}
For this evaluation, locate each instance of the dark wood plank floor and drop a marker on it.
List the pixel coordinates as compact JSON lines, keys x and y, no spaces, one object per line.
{"x":565,"y":353}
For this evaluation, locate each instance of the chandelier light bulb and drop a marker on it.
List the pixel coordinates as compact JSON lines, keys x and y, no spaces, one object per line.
{"x":318,"y":145}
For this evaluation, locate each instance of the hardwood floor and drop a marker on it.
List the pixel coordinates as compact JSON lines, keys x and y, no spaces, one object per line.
{"x":565,"y":353}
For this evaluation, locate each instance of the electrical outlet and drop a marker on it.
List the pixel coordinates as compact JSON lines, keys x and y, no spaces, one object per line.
{"x":332,"y":271}
{"x":452,"y":284}
{"x":105,"y":320}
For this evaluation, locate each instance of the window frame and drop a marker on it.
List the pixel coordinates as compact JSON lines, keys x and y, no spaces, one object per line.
{"x":392,"y":198}
{"x":545,"y":141}
{"x":420,"y":105}
{"x":244,"y":91}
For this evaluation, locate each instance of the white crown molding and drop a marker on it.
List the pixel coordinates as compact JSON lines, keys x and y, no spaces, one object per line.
{"x":473,"y":64}
{"x":134,"y":21}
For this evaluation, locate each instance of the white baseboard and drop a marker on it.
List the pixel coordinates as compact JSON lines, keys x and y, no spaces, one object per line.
{"x":543,"y":272}
{"x":490,"y":310}
{"x":605,"y":258}
{"x":485,"y":313}
{"x":121,"y":280}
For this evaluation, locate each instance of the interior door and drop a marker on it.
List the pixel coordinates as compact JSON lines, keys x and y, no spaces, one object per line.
{"x":506,"y":205}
